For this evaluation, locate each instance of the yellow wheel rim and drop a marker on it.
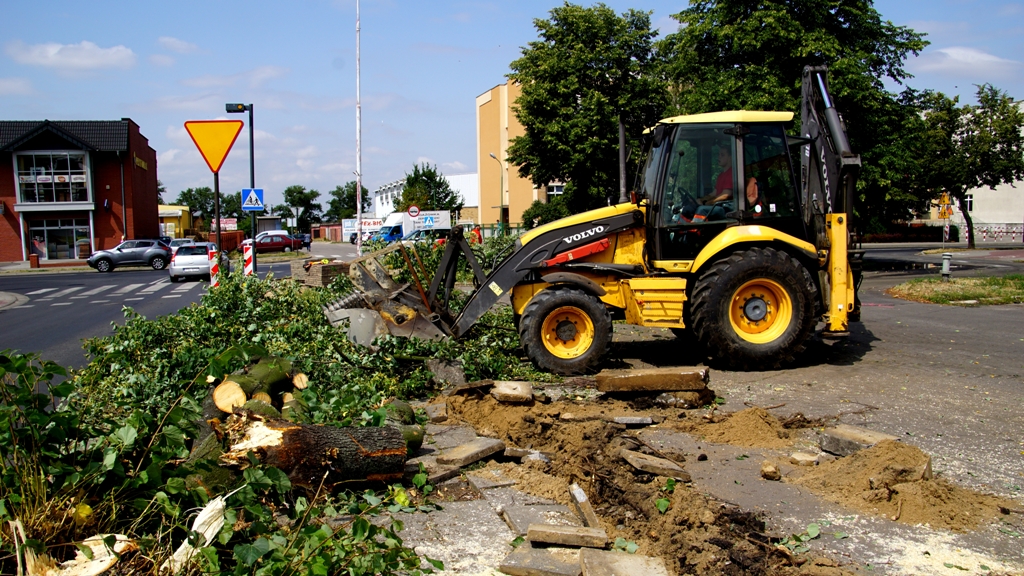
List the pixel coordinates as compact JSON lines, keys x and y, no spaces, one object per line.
{"x":568,"y":332}
{"x":761,"y":311}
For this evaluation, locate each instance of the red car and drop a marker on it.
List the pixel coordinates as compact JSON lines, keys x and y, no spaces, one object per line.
{"x":276,"y":243}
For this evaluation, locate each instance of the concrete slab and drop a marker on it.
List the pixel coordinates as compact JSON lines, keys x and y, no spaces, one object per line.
{"x":444,"y":437}
{"x":467,"y":536}
{"x":477,"y":386}
{"x":654,"y":465}
{"x":580,"y":536}
{"x":472,"y":451}
{"x":519,"y":518}
{"x":552,"y":561}
{"x":605,"y":563}
{"x":513,"y":392}
{"x":581,"y":504}
{"x":487,"y":479}
{"x":633,"y":421}
{"x":671,"y":379}
{"x":446,"y":373}
{"x":843,"y":439}
{"x":502,"y":498}
{"x":436,"y":413}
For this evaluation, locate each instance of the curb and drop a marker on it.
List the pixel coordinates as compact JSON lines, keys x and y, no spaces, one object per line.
{"x":10,"y":299}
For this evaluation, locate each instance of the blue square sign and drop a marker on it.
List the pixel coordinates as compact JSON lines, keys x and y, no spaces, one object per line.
{"x":252,"y":200}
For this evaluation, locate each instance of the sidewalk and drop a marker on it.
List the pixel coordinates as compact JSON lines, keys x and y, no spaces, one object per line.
{"x":9,"y":299}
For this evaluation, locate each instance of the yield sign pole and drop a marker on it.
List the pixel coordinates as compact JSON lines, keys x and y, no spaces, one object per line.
{"x":214,"y":139}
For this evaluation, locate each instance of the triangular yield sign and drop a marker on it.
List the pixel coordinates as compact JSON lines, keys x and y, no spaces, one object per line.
{"x":214,"y":139}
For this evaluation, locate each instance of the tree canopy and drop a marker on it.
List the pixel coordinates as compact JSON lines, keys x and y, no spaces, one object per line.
{"x":343,"y":202}
{"x":304,"y":202}
{"x":428,"y":189}
{"x":589,"y":68}
{"x":734,"y":54}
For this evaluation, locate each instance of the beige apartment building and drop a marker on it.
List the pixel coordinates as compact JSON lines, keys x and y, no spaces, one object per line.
{"x":496,"y":125}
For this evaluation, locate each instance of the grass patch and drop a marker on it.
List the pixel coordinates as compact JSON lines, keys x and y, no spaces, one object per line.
{"x":983,"y":290}
{"x":943,"y":250}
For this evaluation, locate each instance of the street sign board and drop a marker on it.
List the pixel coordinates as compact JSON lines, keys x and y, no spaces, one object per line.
{"x":214,"y":139}
{"x":228,"y":224}
{"x":414,"y":210}
{"x":428,"y":221}
{"x":253,"y":200}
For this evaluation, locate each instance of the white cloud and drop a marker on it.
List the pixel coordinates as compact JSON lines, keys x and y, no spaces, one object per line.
{"x":196,"y":102}
{"x":455,"y":167}
{"x":963,"y":60}
{"x":424,"y":160}
{"x":82,"y":56}
{"x":176,"y":45}
{"x":307,"y":152}
{"x":15,"y":87}
{"x":253,"y":78}
{"x":167,"y":157}
{"x":161,"y":60}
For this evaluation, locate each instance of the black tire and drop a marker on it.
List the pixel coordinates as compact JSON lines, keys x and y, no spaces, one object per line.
{"x":768,"y":286}
{"x":158,"y":263}
{"x":104,"y":265}
{"x":176,"y":279}
{"x":540,"y":325}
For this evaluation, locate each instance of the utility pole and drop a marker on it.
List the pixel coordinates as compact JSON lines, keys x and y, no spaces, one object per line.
{"x":359,"y":148}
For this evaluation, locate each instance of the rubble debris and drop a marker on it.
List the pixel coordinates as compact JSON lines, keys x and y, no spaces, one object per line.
{"x":605,"y":563}
{"x":519,"y":517}
{"x":633,"y":421}
{"x":583,"y":508}
{"x":466,"y":454}
{"x":475,"y":387}
{"x":803,"y":459}
{"x":553,"y":561}
{"x":673,"y":379}
{"x":488,"y":478}
{"x":446,"y":373}
{"x":843,"y":439}
{"x":436,"y":413}
{"x":580,"y":536}
{"x":770,"y":471}
{"x":515,"y":392}
{"x":655,"y":465}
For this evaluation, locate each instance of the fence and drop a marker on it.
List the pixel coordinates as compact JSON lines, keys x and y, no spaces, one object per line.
{"x":998,"y":232}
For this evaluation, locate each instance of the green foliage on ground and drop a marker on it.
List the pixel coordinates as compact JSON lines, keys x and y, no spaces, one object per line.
{"x":984,"y":290}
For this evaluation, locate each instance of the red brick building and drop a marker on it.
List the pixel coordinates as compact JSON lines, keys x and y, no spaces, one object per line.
{"x":68,"y":188}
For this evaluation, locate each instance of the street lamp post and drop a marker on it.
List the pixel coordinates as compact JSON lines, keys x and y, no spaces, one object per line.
{"x":238,"y":109}
{"x":501,"y":195}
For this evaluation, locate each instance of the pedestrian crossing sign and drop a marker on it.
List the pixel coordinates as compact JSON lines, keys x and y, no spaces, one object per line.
{"x":253,"y":199}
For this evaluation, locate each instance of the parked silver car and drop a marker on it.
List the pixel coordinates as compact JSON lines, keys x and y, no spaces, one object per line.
{"x":132,"y":253}
{"x":191,"y":261}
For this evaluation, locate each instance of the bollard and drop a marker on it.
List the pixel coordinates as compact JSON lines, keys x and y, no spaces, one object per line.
{"x":248,"y":260}
{"x":214,"y":256}
{"x":946,"y":257}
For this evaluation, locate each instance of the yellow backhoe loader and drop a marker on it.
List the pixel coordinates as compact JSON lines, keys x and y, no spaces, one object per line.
{"x":737,"y":233}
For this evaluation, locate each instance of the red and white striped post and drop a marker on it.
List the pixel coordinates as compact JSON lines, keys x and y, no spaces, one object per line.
{"x":247,"y":251}
{"x":214,"y":268}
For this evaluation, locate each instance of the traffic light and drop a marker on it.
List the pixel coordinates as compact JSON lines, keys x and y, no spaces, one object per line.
{"x":235,"y":107}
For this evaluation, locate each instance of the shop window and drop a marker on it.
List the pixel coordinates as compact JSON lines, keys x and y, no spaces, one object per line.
{"x":63,"y":239}
{"x":52,"y":177}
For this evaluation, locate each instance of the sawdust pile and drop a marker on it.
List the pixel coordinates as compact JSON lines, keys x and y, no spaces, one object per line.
{"x":753,"y":427}
{"x":895,"y":479}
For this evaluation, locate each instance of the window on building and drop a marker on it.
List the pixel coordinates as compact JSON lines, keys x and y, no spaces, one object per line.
{"x":52,"y":177}
{"x":59,"y":239}
{"x":556,"y":189}
{"x":969,"y":202}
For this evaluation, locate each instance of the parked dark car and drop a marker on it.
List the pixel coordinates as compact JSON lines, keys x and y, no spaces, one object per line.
{"x":276,"y":243}
{"x":132,"y":253}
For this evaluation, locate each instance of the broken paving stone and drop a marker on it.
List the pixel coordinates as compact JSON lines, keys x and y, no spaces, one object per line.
{"x":529,"y":561}
{"x":475,"y":387}
{"x":655,"y":465}
{"x":487,"y":479}
{"x":519,"y":518}
{"x":803,"y":459}
{"x":436,"y":413}
{"x":515,"y":392}
{"x":446,"y":373}
{"x":473,"y":451}
{"x":436,"y":473}
{"x":567,"y":535}
{"x":508,"y":497}
{"x":843,"y":439}
{"x":582,"y":505}
{"x":605,"y":563}
{"x":445,"y":436}
{"x":514,"y":452}
{"x":652,"y":380}
{"x":537,"y":456}
{"x":770,"y":471}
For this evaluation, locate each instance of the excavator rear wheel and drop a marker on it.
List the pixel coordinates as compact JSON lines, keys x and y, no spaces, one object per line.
{"x":754,"y":310}
{"x":565,"y":330}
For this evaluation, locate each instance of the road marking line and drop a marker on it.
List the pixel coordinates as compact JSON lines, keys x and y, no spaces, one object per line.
{"x":65,"y":292}
{"x":130,"y":299}
{"x":158,"y":281}
{"x":43,"y":291}
{"x":154,"y":288}
{"x":62,"y":304}
{"x":96,"y":291}
{"x":26,"y":306}
{"x":77,"y":297}
{"x":128,"y":288}
{"x":99,"y":302}
{"x":173,"y":296}
{"x":186,"y":287}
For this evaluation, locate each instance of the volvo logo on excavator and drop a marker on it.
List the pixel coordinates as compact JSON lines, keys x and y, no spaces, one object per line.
{"x":585,"y":234}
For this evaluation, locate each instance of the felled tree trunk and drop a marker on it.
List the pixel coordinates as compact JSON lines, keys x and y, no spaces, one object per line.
{"x":311,"y":454}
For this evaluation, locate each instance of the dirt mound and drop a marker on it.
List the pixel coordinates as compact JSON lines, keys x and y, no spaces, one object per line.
{"x":696,"y":535}
{"x":895,"y":479}
{"x":753,"y":427}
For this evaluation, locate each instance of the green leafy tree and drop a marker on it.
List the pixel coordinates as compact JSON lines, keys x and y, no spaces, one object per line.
{"x":970,"y":146}
{"x":160,"y":191}
{"x":343,"y":202}
{"x":589,"y":69}
{"x":305,"y":205}
{"x":199,"y":202}
{"x":428,"y":189}
{"x":734,"y":54}
{"x":540,"y":213}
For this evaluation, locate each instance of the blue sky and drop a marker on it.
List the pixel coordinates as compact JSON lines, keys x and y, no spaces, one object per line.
{"x":423,"y":63}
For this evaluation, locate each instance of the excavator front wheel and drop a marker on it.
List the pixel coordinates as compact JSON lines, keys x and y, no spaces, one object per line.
{"x":565,"y":330}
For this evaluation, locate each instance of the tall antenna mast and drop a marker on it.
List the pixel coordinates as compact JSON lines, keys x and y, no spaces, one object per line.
{"x":359,"y":149}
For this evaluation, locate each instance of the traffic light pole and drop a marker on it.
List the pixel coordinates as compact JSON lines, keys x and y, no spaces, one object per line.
{"x":252,"y":185}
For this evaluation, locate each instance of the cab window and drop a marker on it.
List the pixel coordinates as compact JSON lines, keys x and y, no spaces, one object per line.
{"x":768,"y":177}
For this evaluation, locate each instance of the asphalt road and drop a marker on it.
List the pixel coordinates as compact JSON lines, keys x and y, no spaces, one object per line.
{"x":63,"y":308}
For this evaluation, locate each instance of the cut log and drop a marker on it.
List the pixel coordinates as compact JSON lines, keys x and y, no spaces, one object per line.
{"x":261,"y":397}
{"x":262,"y":408}
{"x":311,"y":454}
{"x":271,"y":372}
{"x":291,"y":408}
{"x":247,"y":383}
{"x":228,"y":395}
{"x":300,"y":381}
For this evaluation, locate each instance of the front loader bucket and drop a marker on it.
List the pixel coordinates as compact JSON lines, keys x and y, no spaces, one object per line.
{"x":402,"y":309}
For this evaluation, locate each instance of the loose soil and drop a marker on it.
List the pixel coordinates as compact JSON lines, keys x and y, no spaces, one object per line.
{"x":697,"y":535}
{"x":894,"y":479}
{"x":753,"y":427}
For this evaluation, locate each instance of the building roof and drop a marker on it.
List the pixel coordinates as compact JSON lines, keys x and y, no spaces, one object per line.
{"x":730,"y":117}
{"x":94,"y":135}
